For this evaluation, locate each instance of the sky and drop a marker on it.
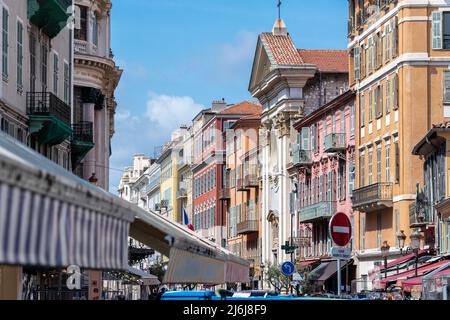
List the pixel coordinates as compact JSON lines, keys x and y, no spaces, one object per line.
{"x":180,"y":55}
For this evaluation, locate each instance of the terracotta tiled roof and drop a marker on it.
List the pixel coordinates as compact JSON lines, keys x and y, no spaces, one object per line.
{"x":246,"y":107}
{"x":326,"y":60}
{"x":281,"y":49}
{"x":256,"y":116}
{"x":444,"y":125}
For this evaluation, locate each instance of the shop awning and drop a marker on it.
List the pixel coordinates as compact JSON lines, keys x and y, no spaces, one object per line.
{"x":410,"y":283}
{"x":325,"y":271}
{"x":146,"y":278}
{"x":306,"y":263}
{"x":405,"y":275}
{"x":192,"y":259}
{"x":51,"y":218}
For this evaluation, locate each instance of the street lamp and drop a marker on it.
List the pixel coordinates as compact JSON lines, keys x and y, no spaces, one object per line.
{"x":401,"y":240}
{"x":262,"y":266}
{"x":416,"y":237}
{"x":384,"y":252}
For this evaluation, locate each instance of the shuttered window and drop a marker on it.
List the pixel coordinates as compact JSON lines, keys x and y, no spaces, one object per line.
{"x":380,"y":101}
{"x":375,"y":51}
{"x":370,"y":55}
{"x":370,"y":105}
{"x":388,"y":163}
{"x":305,"y":139}
{"x":437,"y":30}
{"x":19,"y":56}
{"x":362,"y":165}
{"x":356,"y":59}
{"x":376,"y":100}
{"x":446,"y":86}
{"x":313,"y":137}
{"x":397,"y":162}
{"x":395,"y":37}
{"x":362,"y":53}
{"x":379,"y":163}
{"x":342,"y":122}
{"x":5,"y":16}
{"x":388,"y":96}
{"x":55,"y":73}
{"x":363,"y":110}
{"x":387,"y":32}
{"x":370,"y":166}
{"x":395,"y":85}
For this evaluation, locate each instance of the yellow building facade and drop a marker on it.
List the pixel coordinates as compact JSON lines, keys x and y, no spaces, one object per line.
{"x":399,"y":68}
{"x":169,"y":184}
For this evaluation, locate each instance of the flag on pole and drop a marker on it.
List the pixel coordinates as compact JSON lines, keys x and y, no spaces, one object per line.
{"x":186,"y":220}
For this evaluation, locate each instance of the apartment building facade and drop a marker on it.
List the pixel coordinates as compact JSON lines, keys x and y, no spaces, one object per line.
{"x":209,"y":164}
{"x":289,"y":83}
{"x":241,"y":179}
{"x":36,"y":86}
{"x":324,"y":166}
{"x":399,"y":71}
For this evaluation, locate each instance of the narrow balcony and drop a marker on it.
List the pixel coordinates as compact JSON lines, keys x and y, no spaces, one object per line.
{"x":301,"y":157}
{"x":82,"y":141}
{"x":240,"y":185}
{"x":335,"y":142}
{"x":418,"y":219}
{"x":49,"y":118}
{"x":372,"y":198}
{"x":321,"y":210}
{"x":224,"y":193}
{"x":247,"y":227}
{"x":50,"y":16}
{"x":251,"y":181}
{"x":84,"y":47}
{"x":182,"y":194}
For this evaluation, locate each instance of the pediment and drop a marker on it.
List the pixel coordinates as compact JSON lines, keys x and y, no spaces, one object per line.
{"x":261,"y":65}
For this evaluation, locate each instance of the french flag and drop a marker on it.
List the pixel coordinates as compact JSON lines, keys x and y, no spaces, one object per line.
{"x":186,"y":220}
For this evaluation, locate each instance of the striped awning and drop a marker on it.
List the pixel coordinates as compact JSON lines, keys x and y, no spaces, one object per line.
{"x":51,"y":218}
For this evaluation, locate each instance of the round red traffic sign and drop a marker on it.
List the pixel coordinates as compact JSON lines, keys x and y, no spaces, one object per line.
{"x":340,"y":229}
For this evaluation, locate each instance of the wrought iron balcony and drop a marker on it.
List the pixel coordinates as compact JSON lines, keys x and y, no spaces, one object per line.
{"x":49,"y":117}
{"x":251,"y":181}
{"x":321,"y":210}
{"x":301,"y":157}
{"x":224,"y":193}
{"x":82,"y":141}
{"x":335,"y":142}
{"x":240,"y":185}
{"x":248,"y":226}
{"x":182,"y":193}
{"x":374,"y":197}
{"x":50,"y":16}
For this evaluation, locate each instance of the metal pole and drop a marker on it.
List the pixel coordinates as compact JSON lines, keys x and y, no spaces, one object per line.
{"x":339,"y":276}
{"x":417,"y":261}
{"x":292,"y":250}
{"x":385,"y":267}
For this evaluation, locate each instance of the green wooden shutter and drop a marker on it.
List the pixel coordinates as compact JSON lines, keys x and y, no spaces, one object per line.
{"x":446,"y":86}
{"x":437,"y":30}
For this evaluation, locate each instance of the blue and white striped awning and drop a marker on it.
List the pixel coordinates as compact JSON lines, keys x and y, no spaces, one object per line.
{"x":51,"y":218}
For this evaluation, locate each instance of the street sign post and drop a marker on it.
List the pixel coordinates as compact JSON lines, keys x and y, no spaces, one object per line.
{"x":341,"y":233}
{"x":288,"y":268}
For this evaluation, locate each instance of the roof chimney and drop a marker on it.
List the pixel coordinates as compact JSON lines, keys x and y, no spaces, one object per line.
{"x":279,"y":28}
{"x":218,"y":105}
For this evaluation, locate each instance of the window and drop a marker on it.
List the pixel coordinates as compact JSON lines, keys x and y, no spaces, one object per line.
{"x":5,"y":44}
{"x":370,"y":166}
{"x":324,"y":129}
{"x":379,"y":163}
{"x":363,"y":110}
{"x":329,"y":181}
{"x":44,"y":52}
{"x":370,"y":106}
{"x":342,"y":121}
{"x":397,"y":162}
{"x":395,"y":84}
{"x":352,"y":118}
{"x":357,"y":61}
{"x":441,"y":30}
{"x":333,"y":123}
{"x":376,"y":100}
{"x":81,"y":34}
{"x":387,"y":32}
{"x":19,"y":56}
{"x":363,"y":232}
{"x":446,"y":86}
{"x":32,"y":62}
{"x":388,"y":163}
{"x":362,"y":53}
{"x":370,"y":55}
{"x":375,"y":51}
{"x":394,"y":37}
{"x":362,"y":165}
{"x":379,"y":104}
{"x":379,"y":50}
{"x":95,"y":30}
{"x":397,"y":226}
{"x":388,"y":96}
{"x":351,"y":178}
{"x":313,"y":137}
{"x":66,"y":83}
{"x":55,"y":73}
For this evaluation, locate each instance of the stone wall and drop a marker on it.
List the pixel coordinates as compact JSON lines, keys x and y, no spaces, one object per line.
{"x":323,"y":88}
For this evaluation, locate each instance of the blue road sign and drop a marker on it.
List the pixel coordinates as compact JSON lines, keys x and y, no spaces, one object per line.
{"x":288,"y":268}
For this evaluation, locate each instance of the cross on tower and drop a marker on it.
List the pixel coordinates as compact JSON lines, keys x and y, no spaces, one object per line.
{"x":279,"y":9}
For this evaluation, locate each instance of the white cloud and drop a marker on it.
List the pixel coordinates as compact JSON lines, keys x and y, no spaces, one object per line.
{"x":132,"y":69}
{"x":169,"y":112}
{"x":240,"y":51}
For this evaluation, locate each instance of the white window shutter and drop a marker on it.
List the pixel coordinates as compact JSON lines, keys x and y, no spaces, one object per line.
{"x":437,"y":30}
{"x":447,"y":86}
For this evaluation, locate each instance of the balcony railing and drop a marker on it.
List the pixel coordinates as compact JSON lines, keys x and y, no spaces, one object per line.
{"x":301,"y":157}
{"x":224,"y":193}
{"x":181,"y":193}
{"x":321,"y":210}
{"x":335,"y":142}
{"x":240,"y":185}
{"x":84,"y":47}
{"x":251,"y":181}
{"x":46,"y":103}
{"x":374,"y":197}
{"x":83,"y":131}
{"x":247,"y":227}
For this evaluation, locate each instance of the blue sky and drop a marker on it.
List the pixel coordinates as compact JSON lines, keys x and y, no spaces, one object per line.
{"x":179,"y":55}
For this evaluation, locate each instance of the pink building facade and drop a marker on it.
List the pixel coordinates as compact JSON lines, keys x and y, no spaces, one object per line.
{"x":324,"y":163}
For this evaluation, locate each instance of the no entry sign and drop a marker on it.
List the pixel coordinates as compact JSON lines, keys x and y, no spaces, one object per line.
{"x":340,"y":229}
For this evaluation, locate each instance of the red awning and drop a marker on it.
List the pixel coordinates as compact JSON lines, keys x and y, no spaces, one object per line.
{"x":404,"y":275}
{"x":306,"y":263}
{"x":408,"y":284}
{"x":399,"y":261}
